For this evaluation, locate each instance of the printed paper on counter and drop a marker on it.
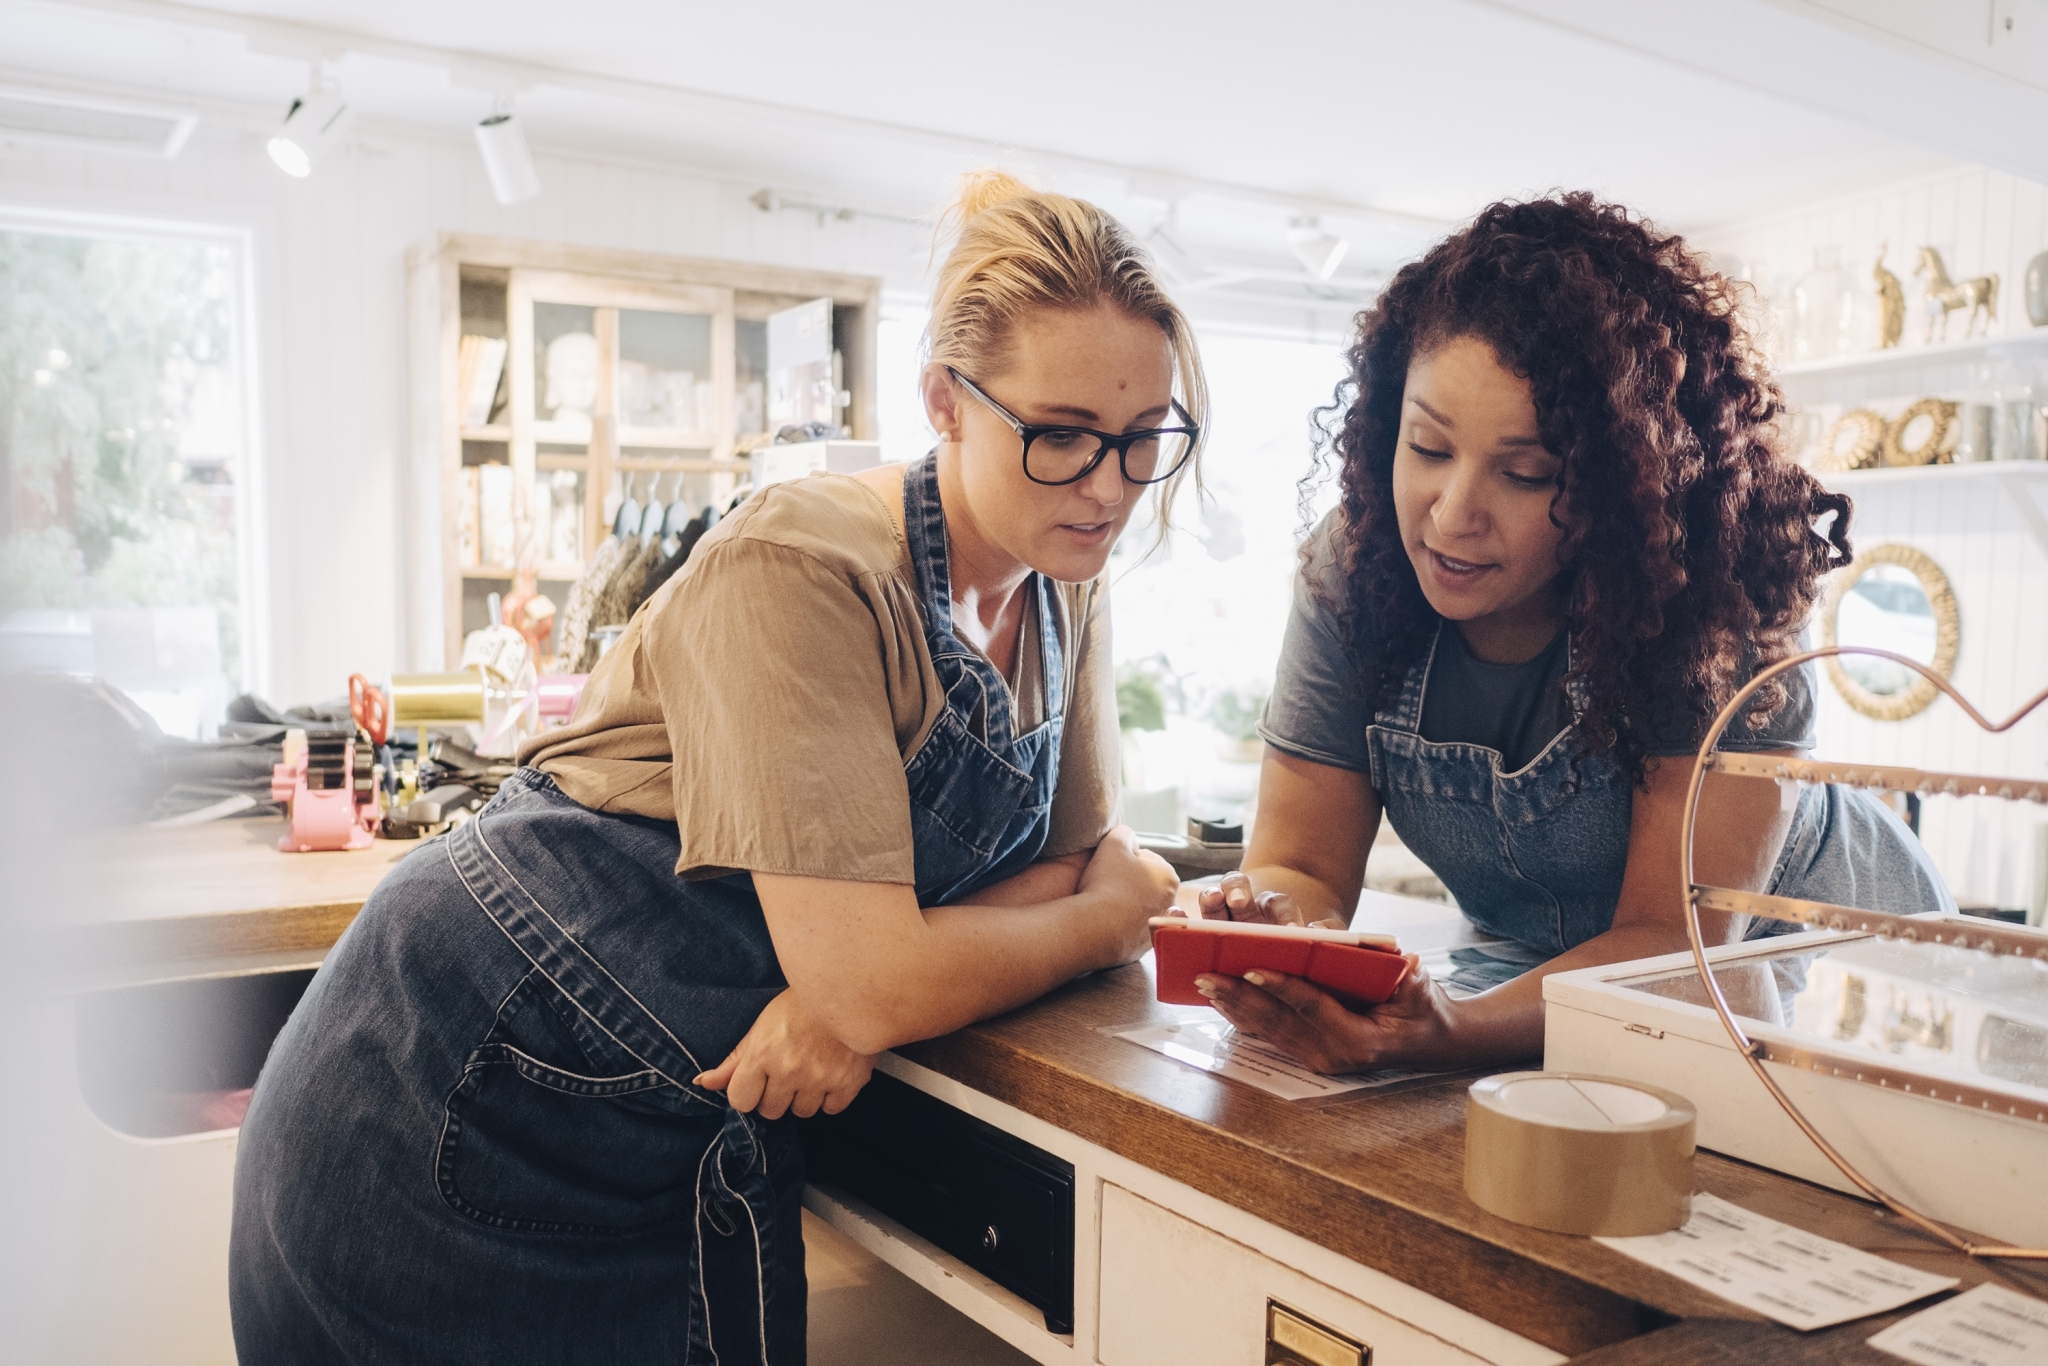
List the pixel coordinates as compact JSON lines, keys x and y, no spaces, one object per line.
{"x":1798,"y":1279}
{"x":1987,"y":1326}
{"x":1205,"y":1040}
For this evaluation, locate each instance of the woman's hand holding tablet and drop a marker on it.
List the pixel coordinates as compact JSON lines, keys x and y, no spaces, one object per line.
{"x":1358,"y":969}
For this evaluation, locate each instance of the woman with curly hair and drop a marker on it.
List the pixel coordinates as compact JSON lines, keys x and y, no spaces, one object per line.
{"x":1566,"y":536}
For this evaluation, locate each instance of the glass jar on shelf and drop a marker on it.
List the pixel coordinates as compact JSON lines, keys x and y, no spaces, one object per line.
{"x":1824,"y":311}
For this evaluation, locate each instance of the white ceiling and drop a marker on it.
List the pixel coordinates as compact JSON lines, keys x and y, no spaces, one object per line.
{"x":1418,"y":107}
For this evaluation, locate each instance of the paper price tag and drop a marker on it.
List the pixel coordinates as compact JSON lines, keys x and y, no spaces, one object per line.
{"x":1986,"y":1326}
{"x":1787,"y":1273}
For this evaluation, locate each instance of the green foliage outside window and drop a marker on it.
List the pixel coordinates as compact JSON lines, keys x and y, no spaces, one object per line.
{"x":1143,"y":689}
{"x":120,"y":426}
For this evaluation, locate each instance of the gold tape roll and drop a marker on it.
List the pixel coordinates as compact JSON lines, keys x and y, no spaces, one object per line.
{"x":436,"y":699}
{"x":1579,"y":1154}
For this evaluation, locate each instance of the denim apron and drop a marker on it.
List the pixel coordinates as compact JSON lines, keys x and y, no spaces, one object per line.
{"x":1537,"y":855}
{"x":477,"y":1140}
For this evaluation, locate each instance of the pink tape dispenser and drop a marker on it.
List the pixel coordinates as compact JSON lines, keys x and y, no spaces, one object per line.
{"x":328,"y":783}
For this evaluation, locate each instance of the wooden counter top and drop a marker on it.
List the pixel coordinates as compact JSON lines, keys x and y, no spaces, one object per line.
{"x":207,"y":898}
{"x":1377,"y":1178}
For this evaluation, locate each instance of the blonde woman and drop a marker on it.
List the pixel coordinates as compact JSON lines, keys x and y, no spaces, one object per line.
{"x":845,"y":782}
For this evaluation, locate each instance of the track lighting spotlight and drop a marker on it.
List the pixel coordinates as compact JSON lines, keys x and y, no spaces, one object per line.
{"x":1318,"y":252}
{"x":507,"y":159}
{"x":310,"y":128}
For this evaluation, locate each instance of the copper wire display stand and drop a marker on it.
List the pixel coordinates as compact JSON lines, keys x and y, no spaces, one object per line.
{"x":1992,"y":937}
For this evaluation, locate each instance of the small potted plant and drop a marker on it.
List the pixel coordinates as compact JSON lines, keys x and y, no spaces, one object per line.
{"x":1235,"y":712}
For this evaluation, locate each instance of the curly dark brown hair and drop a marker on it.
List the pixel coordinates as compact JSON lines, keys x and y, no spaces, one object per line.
{"x":1690,"y":554}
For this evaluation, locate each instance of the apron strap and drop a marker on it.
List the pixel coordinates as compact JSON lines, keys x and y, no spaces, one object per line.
{"x":924,"y":530}
{"x":565,"y":963}
{"x":735,"y":1195}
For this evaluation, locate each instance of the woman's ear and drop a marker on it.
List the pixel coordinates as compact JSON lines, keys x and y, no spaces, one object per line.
{"x":941,"y":401}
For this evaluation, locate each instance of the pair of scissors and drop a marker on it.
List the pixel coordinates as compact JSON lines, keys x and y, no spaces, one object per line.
{"x":369,"y":708}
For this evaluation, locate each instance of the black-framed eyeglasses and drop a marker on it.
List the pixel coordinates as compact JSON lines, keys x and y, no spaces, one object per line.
{"x":1065,"y":455}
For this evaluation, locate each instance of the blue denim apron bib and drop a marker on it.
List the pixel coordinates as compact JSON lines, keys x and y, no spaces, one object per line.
{"x":477,"y":1140}
{"x":1537,"y":855}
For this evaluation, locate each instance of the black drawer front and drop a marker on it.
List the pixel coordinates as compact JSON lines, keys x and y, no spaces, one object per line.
{"x":998,"y":1204}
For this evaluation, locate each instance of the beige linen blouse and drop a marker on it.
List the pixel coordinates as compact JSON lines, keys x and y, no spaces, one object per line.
{"x":767,"y":698}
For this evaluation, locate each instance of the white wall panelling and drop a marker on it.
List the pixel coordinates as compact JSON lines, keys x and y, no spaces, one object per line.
{"x":1975,"y":528}
{"x":1983,"y":527}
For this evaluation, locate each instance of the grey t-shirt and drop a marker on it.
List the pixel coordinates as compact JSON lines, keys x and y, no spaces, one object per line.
{"x":1513,"y":709}
{"x":1321,"y":703}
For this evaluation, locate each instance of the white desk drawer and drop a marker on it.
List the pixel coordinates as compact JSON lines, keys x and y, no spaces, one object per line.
{"x":1174,"y":1291}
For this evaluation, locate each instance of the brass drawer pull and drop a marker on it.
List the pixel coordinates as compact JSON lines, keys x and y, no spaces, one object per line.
{"x":1293,"y":1339}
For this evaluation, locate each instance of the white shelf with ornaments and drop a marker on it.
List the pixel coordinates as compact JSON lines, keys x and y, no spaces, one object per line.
{"x":1925,"y":407}
{"x":2030,"y":345}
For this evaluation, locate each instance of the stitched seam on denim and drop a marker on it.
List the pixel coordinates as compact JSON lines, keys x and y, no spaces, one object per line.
{"x":451,"y":1194}
{"x":473,"y":830}
{"x":703,"y":1289}
{"x":1405,"y":744}
{"x":607,"y":973}
{"x":538,"y":982}
{"x":760,"y":1272}
{"x":594,"y":961}
{"x":970,"y":738}
{"x":537,"y":966}
{"x":946,"y":823}
{"x":718,"y":1175}
{"x":561,"y":1079}
{"x":1507,"y":850}
{"x":928,"y":553}
{"x":1541,"y":755}
{"x":924,"y":528}
{"x":1415,"y":688}
{"x":1052,"y":657}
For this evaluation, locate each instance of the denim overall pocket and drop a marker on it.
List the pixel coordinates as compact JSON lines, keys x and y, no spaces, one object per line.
{"x":540,"y":1136}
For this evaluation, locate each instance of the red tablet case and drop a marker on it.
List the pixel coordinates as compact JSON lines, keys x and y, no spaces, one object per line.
{"x":1357,"y":974}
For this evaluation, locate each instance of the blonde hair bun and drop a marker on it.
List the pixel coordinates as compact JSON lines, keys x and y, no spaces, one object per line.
{"x":1014,"y":249}
{"x":980,"y":191}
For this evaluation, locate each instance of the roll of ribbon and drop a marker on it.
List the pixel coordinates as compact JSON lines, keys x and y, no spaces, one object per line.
{"x":437,"y":699}
{"x":1579,"y":1154}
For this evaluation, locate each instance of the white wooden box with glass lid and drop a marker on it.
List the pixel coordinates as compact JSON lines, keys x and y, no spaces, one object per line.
{"x":555,"y":385}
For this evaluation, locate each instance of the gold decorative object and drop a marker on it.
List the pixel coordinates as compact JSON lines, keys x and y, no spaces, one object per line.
{"x":1941,"y":296}
{"x":1935,"y":446}
{"x":1903,"y":604}
{"x":1891,"y":302}
{"x":1855,"y":442}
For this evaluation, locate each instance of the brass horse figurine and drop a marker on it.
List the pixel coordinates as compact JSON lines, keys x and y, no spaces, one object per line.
{"x":1891,"y":301}
{"x":1941,"y":296}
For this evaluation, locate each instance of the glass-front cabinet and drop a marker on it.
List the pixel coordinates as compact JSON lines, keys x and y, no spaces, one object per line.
{"x":564,"y":385}
{"x":616,"y":388}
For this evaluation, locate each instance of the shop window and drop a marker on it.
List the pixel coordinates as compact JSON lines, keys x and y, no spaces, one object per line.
{"x":123,"y":463}
{"x":1200,"y":617}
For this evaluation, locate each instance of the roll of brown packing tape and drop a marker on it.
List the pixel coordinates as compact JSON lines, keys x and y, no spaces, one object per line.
{"x":436,"y":699}
{"x":1579,"y":1154}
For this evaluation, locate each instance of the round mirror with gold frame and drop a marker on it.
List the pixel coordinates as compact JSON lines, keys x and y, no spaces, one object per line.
{"x":1892,"y":598}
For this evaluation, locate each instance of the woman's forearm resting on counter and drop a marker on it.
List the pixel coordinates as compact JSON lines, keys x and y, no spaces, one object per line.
{"x":877,"y":970}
